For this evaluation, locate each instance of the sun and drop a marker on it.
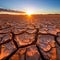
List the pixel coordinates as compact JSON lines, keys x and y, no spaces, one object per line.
{"x":29,"y":12}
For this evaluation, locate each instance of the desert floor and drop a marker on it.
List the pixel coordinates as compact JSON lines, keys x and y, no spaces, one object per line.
{"x":35,"y":37}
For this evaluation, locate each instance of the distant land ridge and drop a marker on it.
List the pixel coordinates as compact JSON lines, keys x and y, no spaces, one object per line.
{"x":9,"y":10}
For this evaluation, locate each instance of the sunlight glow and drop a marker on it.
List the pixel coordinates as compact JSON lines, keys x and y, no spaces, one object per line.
{"x":29,"y":12}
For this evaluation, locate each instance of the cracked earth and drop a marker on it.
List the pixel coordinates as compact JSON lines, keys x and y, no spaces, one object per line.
{"x":23,"y":39}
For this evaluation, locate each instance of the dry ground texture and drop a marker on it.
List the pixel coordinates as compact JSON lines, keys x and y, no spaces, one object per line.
{"x":34,"y":37}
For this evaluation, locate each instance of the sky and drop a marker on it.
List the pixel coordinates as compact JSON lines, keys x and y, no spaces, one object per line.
{"x":36,"y":6}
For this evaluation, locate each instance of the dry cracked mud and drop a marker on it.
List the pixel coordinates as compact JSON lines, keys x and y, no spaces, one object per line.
{"x":22,"y":41}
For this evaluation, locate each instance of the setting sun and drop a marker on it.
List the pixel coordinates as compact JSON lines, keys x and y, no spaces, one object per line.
{"x":29,"y":12}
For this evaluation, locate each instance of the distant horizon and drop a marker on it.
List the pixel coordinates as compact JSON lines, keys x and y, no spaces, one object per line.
{"x":25,"y":11}
{"x":20,"y":12}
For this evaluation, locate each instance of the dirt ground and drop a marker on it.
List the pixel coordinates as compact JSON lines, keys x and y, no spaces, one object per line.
{"x":35,"y":37}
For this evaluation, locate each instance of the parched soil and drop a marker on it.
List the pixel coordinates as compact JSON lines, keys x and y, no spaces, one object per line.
{"x":30,"y":38}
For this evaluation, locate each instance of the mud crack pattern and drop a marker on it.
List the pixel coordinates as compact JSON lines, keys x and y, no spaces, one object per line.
{"x":29,"y":42}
